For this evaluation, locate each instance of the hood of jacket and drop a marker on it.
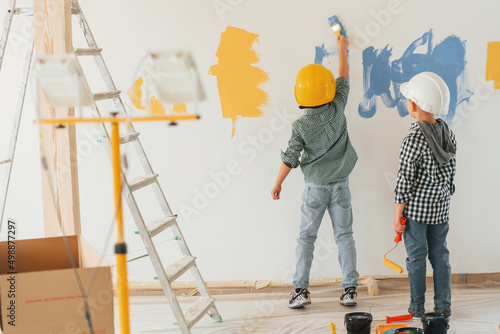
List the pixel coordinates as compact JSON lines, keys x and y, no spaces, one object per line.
{"x":439,"y":138}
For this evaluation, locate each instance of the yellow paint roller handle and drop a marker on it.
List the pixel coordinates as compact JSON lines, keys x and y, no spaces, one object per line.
{"x":392,"y":265}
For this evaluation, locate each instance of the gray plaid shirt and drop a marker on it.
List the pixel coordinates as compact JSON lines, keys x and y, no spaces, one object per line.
{"x":321,"y":136}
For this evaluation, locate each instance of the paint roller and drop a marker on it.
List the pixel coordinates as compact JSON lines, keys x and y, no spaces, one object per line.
{"x":388,"y":262}
{"x":336,"y":28}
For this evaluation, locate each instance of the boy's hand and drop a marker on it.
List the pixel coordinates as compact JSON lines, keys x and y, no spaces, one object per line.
{"x":275,"y":192}
{"x":284,"y":171}
{"x":398,"y":227}
{"x":342,"y":43}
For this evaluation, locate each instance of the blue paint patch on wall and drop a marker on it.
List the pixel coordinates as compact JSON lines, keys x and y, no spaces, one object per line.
{"x":322,"y":53}
{"x":447,"y":59}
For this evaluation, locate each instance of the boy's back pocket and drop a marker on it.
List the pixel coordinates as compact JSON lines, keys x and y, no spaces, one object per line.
{"x":316,"y":196}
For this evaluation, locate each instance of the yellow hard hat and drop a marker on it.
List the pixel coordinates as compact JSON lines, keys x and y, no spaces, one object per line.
{"x":314,"y":86}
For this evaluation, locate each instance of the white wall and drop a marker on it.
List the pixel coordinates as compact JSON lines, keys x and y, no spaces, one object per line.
{"x":242,"y":234}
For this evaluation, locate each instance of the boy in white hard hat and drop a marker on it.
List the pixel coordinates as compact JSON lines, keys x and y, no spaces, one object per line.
{"x":424,"y":187}
{"x":328,"y":158}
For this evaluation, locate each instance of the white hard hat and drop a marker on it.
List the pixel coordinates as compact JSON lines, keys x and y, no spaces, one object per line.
{"x":429,"y":91}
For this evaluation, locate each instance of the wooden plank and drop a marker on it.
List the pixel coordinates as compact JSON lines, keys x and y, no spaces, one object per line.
{"x":239,"y":287}
{"x":371,"y":284}
{"x":53,"y":35}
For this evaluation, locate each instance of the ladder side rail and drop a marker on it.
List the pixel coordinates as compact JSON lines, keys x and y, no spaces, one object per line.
{"x":148,"y":169}
{"x":150,"y":248}
{"x":181,"y":242}
{"x":6,"y":29}
{"x":107,"y":141}
{"x":148,"y":243}
{"x":157,"y":264}
{"x":89,"y":37}
{"x":141,"y":153}
{"x":160,"y":196}
{"x":200,"y":283}
{"x":111,"y":86}
{"x":156,"y":261}
{"x":213,"y":312}
{"x":17,"y":122}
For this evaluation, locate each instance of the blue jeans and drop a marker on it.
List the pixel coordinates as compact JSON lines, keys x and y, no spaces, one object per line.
{"x":336,"y":197}
{"x":421,"y":239}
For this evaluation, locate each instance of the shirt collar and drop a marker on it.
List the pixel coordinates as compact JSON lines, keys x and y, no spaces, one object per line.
{"x":315,"y":111}
{"x":414,"y":126}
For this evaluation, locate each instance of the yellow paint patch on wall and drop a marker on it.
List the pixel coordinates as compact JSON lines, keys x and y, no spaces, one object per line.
{"x":493,"y":63}
{"x":180,"y":108}
{"x":135,"y":94}
{"x":238,"y":80}
{"x":156,"y":106}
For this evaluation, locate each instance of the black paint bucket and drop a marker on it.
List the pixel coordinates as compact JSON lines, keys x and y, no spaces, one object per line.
{"x":358,"y":323}
{"x":409,"y":330}
{"x":435,"y":323}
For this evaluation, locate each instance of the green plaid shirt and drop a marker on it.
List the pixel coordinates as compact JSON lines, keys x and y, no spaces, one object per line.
{"x":321,"y":136}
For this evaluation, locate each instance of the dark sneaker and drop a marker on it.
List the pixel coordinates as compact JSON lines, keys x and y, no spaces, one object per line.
{"x":299,"y":299}
{"x":349,"y":296}
{"x":446,"y":311}
{"x":416,"y":313}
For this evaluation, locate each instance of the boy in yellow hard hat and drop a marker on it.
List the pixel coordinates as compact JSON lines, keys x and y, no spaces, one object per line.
{"x":328,"y":158}
{"x":424,"y":187}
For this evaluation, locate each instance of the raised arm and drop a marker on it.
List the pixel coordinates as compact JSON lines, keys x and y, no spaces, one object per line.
{"x":343,"y":45}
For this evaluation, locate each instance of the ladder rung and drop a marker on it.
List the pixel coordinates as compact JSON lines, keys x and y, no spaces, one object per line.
{"x":196,"y":311}
{"x":27,"y":11}
{"x":88,"y":52}
{"x":179,"y":267}
{"x":6,"y":161}
{"x":128,"y":137}
{"x":142,"y":181}
{"x":112,"y":94}
{"x":160,"y":224}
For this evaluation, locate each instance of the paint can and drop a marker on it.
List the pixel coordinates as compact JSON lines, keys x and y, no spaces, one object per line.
{"x":435,"y":323}
{"x":409,"y":330}
{"x":358,"y":323}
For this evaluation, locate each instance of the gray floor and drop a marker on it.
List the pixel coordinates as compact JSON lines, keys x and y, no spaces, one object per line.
{"x":476,"y":309}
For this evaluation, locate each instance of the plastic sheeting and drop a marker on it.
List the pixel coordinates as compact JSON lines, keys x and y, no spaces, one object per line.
{"x":475,"y":309}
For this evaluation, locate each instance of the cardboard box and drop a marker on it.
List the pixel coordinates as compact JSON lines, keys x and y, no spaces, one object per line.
{"x":39,"y":292}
